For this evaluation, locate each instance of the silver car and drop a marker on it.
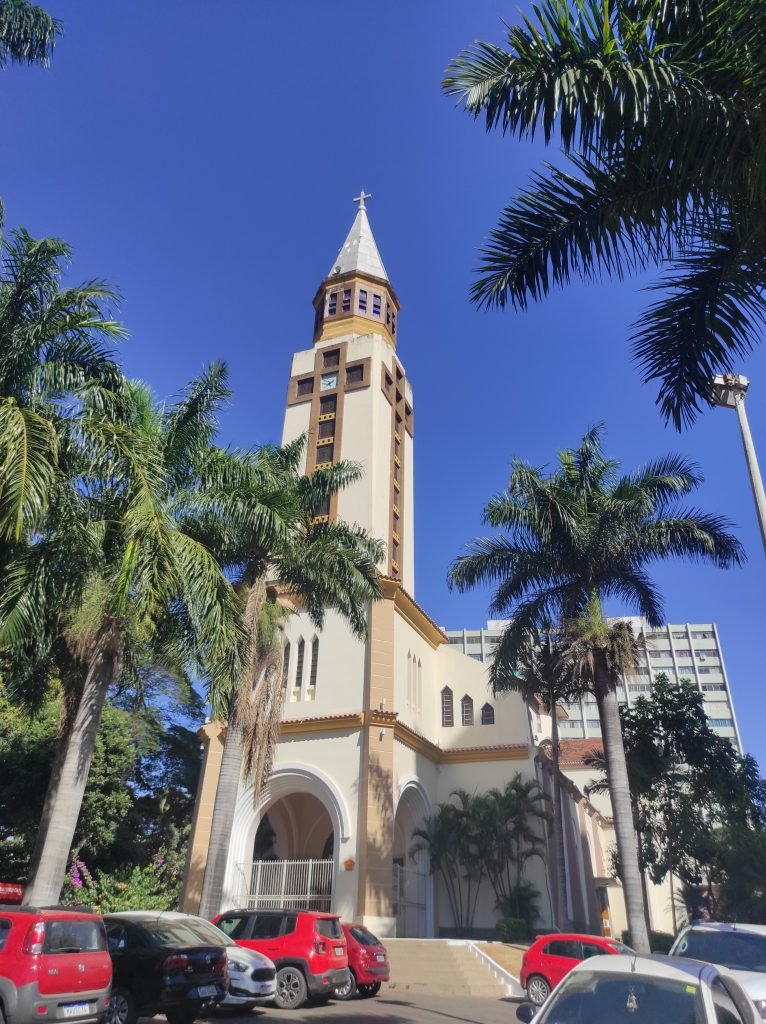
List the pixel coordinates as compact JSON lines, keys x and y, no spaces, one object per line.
{"x":644,"y":990}
{"x":252,"y":978}
{"x":741,"y":948}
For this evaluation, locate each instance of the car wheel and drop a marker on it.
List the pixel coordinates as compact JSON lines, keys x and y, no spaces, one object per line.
{"x":538,"y":989}
{"x":122,"y":1007}
{"x":291,"y":988}
{"x":182,"y":1016}
{"x":368,"y":991}
{"x":347,"y":991}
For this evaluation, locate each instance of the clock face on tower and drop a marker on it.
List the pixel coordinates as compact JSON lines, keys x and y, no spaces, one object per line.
{"x":328,"y":382}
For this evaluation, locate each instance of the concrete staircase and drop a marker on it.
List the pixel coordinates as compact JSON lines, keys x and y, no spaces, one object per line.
{"x":445,"y":967}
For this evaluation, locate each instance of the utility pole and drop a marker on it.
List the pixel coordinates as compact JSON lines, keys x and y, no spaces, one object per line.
{"x":729,"y":392}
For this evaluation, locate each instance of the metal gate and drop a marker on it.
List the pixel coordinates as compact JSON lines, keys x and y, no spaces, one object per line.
{"x":298,"y":884}
{"x":410,"y":893}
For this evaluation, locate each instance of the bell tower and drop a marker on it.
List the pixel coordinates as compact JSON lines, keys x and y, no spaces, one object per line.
{"x":351,"y":394}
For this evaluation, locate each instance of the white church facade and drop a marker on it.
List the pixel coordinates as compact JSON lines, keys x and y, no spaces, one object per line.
{"x":376,"y":733}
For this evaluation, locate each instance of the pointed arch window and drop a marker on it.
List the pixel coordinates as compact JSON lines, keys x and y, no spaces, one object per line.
{"x":286,"y":665}
{"x":466,"y":710}
{"x":299,"y":664}
{"x":409,"y":678}
{"x":420,"y":687}
{"x":314,"y":661}
{"x":448,"y":712}
{"x":487,"y":715}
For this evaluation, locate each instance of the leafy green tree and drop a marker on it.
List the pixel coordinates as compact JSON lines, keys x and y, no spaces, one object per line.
{"x":545,"y":670}
{"x":27,"y":33}
{"x":658,"y":109}
{"x":573,"y":539}
{"x":329,"y":565}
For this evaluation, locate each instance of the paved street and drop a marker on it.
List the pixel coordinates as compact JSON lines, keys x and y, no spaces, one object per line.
{"x":390,"y":1008}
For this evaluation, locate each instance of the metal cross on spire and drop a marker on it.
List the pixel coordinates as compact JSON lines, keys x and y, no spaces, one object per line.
{"x":361,"y":198}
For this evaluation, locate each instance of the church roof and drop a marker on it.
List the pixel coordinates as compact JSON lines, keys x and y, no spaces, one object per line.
{"x":359,"y":252}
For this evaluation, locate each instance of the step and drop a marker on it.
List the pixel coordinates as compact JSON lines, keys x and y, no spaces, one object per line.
{"x":448,"y":967}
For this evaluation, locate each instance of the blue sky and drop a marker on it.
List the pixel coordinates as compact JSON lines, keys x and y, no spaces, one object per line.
{"x":202,"y":158}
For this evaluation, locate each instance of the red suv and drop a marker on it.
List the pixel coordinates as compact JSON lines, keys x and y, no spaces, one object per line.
{"x":54,"y":965}
{"x":367,"y":963}
{"x":552,"y":957}
{"x":308,"y":950}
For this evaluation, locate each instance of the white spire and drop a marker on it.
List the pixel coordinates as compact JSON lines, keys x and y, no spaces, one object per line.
{"x":359,"y":251}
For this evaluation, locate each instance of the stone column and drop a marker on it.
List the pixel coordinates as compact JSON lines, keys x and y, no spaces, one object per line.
{"x":212,"y":735}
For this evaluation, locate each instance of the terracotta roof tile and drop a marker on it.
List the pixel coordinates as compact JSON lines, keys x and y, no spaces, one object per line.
{"x":574,"y":752}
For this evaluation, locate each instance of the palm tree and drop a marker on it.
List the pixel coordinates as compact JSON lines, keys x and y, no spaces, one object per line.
{"x":27,"y":33}
{"x":330,"y":565}
{"x":145,"y":587}
{"x":658,"y":108}
{"x":574,"y":538}
{"x":54,"y":350}
{"x":545,"y":669}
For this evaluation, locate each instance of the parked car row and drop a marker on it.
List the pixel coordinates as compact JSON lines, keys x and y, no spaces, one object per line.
{"x":715,"y":974}
{"x":61,"y":964}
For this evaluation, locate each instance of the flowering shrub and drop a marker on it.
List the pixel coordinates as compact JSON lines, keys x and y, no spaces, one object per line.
{"x":157,"y":886}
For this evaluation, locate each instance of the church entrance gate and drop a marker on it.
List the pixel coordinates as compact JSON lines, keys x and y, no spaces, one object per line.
{"x":291,"y":884}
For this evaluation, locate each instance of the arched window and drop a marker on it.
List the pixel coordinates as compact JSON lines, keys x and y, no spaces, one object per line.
{"x":286,"y":665}
{"x":466,"y":710}
{"x":420,"y":687}
{"x":448,"y":715}
{"x":314,"y":661}
{"x":409,"y":678}
{"x":299,"y":664}
{"x":487,"y":715}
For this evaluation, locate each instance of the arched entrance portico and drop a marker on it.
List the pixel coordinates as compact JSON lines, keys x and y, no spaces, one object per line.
{"x":286,"y":850}
{"x":413,"y":883}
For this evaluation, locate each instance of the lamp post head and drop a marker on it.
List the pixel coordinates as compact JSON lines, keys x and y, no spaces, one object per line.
{"x":727,"y":389}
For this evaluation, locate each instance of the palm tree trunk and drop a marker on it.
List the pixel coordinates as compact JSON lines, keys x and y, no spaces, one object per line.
{"x":222,"y":822}
{"x":67,"y":787}
{"x":557,"y":826}
{"x":619,"y":792}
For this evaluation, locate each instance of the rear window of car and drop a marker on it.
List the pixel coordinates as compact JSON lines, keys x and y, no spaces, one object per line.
{"x":208,"y":933}
{"x":5,"y":931}
{"x":737,"y":950}
{"x":329,"y":927}
{"x":72,"y":936}
{"x":173,"y":933}
{"x":365,"y":937}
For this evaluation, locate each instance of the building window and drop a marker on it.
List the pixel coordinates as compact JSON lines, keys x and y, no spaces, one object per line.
{"x":683,"y":653}
{"x":355,"y":374}
{"x":395,"y":552}
{"x":721,"y":723}
{"x":702,"y":655}
{"x":332,"y":305}
{"x":285,"y":665}
{"x":455,"y":640}
{"x":326,"y":428}
{"x":639,"y":687}
{"x":324,"y":454}
{"x":331,"y":359}
{"x":305,"y":387}
{"x":328,"y":404}
{"x":712,"y":686}
{"x":323,"y":508}
{"x":314,"y":661}
{"x":680,"y":636}
{"x":487,"y":715}
{"x":396,"y":471}
{"x":466,"y":710}
{"x":346,"y":300}
{"x":362,"y":300}
{"x":593,"y":723}
{"x":704,"y":635}
{"x":375,"y":305}
{"x":704,"y":670}
{"x":660,"y":654}
{"x":448,"y":715}
{"x":409,"y":678}
{"x":420,"y":686}
{"x":389,"y":383}
{"x":299,"y":664}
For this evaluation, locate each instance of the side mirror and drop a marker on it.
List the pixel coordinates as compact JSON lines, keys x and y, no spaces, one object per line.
{"x":526,"y":1012}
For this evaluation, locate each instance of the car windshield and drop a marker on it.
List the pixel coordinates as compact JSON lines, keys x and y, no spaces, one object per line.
{"x":179,"y":933}
{"x":365,"y":937}
{"x":587,"y":997}
{"x":739,"y":951}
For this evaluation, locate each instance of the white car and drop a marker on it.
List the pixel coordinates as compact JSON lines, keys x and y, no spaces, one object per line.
{"x":644,"y":990}
{"x":252,"y":978}
{"x":741,"y":948}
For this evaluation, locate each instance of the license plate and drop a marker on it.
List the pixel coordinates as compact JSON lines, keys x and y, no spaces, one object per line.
{"x":207,"y":991}
{"x":380,"y":957}
{"x":339,"y":950}
{"x":76,"y":1009}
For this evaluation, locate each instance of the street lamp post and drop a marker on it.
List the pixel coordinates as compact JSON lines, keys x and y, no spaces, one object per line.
{"x":729,"y":391}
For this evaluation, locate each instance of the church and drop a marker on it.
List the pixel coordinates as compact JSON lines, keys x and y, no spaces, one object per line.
{"x":376,"y":733}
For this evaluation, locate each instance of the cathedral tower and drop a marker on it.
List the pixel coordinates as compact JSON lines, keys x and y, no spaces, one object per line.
{"x":351,"y":394}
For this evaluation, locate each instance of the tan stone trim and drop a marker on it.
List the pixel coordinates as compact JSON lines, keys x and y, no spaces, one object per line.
{"x":457,"y":755}
{"x":387,"y":391}
{"x":328,"y":326}
{"x":326,"y":723}
{"x":414,"y":741}
{"x":315,"y":417}
{"x":379,"y":717}
{"x":412,"y":613}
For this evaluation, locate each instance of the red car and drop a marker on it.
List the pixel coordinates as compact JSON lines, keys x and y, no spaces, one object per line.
{"x":308,"y":950}
{"x":367,"y":962}
{"x":551,"y":957}
{"x":54,"y":966}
